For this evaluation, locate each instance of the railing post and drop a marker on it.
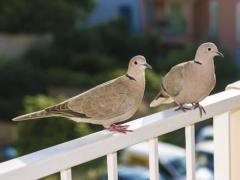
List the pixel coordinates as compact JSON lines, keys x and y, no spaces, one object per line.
{"x":66,"y":174}
{"x":222,"y":147}
{"x":227,"y":143}
{"x":112,"y":166}
{"x":234,"y":137}
{"x":153,"y":159}
{"x":190,"y":151}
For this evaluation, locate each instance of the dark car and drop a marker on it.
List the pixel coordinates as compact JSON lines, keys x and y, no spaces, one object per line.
{"x":7,"y":152}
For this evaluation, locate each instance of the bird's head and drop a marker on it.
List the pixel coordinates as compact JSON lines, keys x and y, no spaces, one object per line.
{"x":137,"y":65}
{"x":207,"y":51}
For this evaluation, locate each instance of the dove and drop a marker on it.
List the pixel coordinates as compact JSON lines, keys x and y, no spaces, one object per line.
{"x":106,"y":104}
{"x":190,"y":82}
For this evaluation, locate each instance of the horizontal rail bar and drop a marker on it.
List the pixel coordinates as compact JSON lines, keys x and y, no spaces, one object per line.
{"x":87,"y":148}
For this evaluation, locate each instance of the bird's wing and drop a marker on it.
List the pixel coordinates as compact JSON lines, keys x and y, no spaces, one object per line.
{"x":173,"y":82}
{"x":104,"y":101}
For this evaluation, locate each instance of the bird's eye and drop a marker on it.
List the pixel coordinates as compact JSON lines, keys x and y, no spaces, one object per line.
{"x":209,"y":49}
{"x":135,"y":62}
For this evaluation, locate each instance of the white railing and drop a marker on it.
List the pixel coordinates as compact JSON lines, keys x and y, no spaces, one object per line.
{"x":61,"y":158}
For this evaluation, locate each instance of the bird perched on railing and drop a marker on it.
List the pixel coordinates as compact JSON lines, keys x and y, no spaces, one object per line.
{"x":106,"y":104}
{"x":190,"y":82}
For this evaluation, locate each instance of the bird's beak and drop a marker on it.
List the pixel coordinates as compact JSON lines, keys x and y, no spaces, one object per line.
{"x":219,"y":54}
{"x":147,"y":66}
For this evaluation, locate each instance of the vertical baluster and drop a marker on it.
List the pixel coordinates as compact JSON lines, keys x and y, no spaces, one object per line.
{"x":112,"y":166}
{"x":153,"y":159}
{"x":190,"y":151}
{"x":222,"y":151}
{"x":66,"y":174}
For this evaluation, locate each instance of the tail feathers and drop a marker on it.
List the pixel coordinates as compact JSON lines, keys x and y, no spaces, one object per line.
{"x":34,"y":115}
{"x":157,"y":102}
{"x":161,"y":98}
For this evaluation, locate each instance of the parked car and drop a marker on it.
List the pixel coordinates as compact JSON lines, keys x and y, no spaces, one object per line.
{"x":7,"y":152}
{"x":132,"y":173}
{"x":205,"y":134}
{"x":171,"y":159}
{"x":204,"y":152}
{"x":172,"y":162}
{"x":203,"y":173}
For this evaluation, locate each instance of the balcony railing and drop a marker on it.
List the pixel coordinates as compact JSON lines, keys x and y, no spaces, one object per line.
{"x":61,"y":158}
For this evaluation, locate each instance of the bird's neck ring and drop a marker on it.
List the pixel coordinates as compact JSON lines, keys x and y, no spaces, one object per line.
{"x":197,"y":62}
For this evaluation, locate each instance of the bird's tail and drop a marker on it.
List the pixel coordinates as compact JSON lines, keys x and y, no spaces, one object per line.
{"x":161,"y":98}
{"x":34,"y":115}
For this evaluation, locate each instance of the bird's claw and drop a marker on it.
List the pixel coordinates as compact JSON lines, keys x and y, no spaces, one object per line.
{"x":119,"y":128}
{"x":181,"y":107}
{"x":201,"y":108}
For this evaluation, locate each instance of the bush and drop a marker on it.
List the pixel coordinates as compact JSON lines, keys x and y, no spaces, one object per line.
{"x":37,"y":134}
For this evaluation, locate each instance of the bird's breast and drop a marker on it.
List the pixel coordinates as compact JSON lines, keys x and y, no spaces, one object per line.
{"x":198,"y":84}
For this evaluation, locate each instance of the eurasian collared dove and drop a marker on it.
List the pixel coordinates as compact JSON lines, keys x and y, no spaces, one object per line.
{"x":106,"y":104}
{"x":190,"y":82}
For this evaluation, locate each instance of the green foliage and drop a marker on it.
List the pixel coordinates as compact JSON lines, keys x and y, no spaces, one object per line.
{"x":37,"y":134}
{"x":153,"y":81}
{"x":112,"y":41}
{"x":41,"y":15}
{"x":82,"y":80}
{"x":17,"y":79}
{"x":20,"y":77}
{"x":77,"y":58}
{"x":227,"y":71}
{"x":176,"y":56}
{"x":147,"y":45}
{"x":176,"y":138}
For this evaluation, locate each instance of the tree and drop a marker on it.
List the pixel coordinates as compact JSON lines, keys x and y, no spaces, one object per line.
{"x":41,"y":15}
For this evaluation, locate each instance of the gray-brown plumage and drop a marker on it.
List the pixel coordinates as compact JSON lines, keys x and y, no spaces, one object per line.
{"x":111,"y":102}
{"x":190,"y":82}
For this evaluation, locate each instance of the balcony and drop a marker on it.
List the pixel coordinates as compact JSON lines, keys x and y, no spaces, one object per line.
{"x":223,"y":107}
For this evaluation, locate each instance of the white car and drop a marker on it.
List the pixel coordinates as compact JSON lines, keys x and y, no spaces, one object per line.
{"x":172,"y":161}
{"x":205,"y":134}
{"x":205,"y":151}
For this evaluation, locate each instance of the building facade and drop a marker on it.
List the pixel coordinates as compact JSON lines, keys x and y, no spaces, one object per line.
{"x":107,"y":10}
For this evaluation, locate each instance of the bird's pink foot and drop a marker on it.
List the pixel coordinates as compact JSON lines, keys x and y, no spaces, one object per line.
{"x":119,"y":128}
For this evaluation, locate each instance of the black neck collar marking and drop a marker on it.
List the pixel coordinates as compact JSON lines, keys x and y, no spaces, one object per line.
{"x":130,"y":77}
{"x":197,"y":62}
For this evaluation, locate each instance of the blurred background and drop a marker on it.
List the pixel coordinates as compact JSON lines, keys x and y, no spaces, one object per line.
{"x":52,"y":50}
